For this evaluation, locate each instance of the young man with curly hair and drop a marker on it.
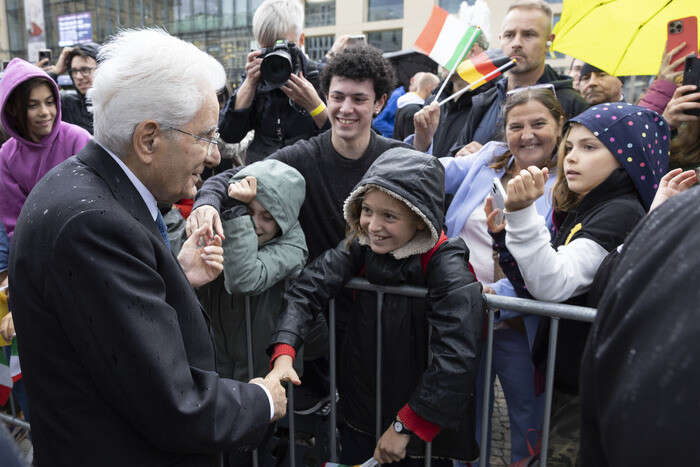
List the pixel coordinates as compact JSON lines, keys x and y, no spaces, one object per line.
{"x":357,"y":82}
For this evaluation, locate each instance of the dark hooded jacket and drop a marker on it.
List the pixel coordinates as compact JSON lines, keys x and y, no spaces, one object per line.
{"x":448,"y":324}
{"x":570,"y":100}
{"x":639,"y":375}
{"x":75,"y":106}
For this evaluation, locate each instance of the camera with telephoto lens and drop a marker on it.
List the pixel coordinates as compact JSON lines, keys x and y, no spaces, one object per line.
{"x":278,"y":63}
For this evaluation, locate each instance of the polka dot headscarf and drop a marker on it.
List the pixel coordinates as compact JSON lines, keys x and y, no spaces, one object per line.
{"x":638,"y":138}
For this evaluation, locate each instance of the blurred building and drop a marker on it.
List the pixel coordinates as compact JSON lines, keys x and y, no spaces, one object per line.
{"x":223,"y":28}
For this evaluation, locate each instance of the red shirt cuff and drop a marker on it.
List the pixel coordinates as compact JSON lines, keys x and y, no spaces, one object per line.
{"x":424,"y":429}
{"x":282,"y":349}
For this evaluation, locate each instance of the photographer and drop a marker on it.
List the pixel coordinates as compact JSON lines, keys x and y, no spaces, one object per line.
{"x":280,"y":112}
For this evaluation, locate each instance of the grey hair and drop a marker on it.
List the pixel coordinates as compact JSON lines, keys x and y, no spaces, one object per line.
{"x":275,"y":19}
{"x":147,"y":74}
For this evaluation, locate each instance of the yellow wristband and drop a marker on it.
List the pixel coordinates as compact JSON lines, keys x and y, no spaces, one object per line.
{"x":321,"y":107}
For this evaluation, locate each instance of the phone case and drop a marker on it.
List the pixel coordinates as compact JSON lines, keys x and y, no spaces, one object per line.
{"x":679,"y":31}
{"x":691,"y":75}
{"x":499,"y":198}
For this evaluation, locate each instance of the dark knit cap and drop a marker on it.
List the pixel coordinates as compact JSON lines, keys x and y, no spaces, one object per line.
{"x":638,"y":138}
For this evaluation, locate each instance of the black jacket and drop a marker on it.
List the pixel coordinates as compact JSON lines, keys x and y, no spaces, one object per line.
{"x":75,"y":110}
{"x":277,"y":121}
{"x":130,"y":375}
{"x":607,"y":215}
{"x":403,"y":121}
{"x":570,"y":100}
{"x":453,"y":118}
{"x":440,"y":390}
{"x":639,"y":376}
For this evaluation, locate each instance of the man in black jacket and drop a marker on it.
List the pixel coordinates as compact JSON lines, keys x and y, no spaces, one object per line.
{"x":130,"y":378}
{"x":80,"y":62}
{"x":526,"y":34}
{"x":282,"y":115}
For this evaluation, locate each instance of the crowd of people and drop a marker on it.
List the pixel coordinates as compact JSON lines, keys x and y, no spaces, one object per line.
{"x":140,"y":263}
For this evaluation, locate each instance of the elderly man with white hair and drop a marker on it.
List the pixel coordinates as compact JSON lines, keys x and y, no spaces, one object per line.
{"x":280,"y":113}
{"x":116,"y":350}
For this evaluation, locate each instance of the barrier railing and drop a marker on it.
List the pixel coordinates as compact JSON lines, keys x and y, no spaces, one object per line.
{"x":555,"y":311}
{"x":13,"y":419}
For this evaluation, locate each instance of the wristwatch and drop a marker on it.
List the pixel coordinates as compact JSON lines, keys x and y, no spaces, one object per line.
{"x":400,"y":428}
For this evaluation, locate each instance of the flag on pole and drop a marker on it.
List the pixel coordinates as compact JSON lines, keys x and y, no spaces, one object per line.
{"x":475,"y":68}
{"x":446,"y":39}
{"x":10,"y":372}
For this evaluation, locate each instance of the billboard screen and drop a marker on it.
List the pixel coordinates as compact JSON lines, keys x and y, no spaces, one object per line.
{"x":74,"y":29}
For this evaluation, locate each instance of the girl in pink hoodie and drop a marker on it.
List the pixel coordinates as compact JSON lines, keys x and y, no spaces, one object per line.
{"x":30,"y":111}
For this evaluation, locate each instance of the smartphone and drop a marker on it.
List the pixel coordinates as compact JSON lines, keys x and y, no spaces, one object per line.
{"x":357,"y":39}
{"x":683,"y":30}
{"x":691,"y":75}
{"x":499,"y":199}
{"x":45,"y":53}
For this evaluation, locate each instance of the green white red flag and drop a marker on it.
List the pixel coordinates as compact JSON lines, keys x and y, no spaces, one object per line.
{"x":446,"y":39}
{"x":10,"y":371}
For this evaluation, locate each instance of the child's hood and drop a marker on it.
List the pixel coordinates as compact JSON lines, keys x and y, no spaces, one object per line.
{"x":17,"y":72}
{"x":638,"y":138}
{"x":416,"y":179}
{"x":281,"y":190}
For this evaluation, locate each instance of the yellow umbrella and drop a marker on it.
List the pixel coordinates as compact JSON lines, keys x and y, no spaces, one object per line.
{"x":621,"y":37}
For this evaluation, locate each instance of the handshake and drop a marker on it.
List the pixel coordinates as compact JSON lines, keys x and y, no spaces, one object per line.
{"x":281,"y":372}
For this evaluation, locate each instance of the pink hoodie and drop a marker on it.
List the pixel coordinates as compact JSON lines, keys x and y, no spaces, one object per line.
{"x":22,"y":162}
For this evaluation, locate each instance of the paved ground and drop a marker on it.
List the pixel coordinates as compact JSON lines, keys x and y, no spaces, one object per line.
{"x":500,"y":430}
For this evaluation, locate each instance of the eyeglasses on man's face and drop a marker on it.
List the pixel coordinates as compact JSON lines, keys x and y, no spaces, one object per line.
{"x":213,"y":140}
{"x":85,"y":71}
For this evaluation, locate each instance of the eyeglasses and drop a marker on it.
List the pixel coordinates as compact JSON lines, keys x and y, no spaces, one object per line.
{"x":213,"y":141}
{"x":85,"y":71}
{"x":549,"y":86}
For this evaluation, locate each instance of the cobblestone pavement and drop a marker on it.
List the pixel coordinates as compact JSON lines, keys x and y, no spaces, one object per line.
{"x":500,"y":430}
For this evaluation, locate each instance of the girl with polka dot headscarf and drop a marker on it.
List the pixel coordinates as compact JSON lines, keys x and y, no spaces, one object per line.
{"x":610,"y":164}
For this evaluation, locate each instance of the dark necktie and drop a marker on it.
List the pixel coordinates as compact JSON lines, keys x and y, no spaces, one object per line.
{"x":160,"y":222}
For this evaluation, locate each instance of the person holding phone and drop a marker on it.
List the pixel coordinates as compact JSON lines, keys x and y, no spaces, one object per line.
{"x":533,"y":121}
{"x":80,"y":62}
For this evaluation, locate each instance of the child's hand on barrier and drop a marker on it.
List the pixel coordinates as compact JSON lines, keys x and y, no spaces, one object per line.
{"x":283,"y":370}
{"x":525,"y":188}
{"x":391,"y":447}
{"x":244,"y":190}
{"x":491,"y":215}
{"x":673,"y":183}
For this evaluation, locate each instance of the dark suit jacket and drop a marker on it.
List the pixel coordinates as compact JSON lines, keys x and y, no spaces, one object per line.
{"x":115,"y":349}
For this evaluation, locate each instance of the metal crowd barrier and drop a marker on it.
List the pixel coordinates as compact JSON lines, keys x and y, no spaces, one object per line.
{"x":13,"y":419}
{"x":555,"y":311}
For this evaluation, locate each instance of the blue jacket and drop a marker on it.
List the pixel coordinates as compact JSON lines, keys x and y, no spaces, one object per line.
{"x":384,"y":122}
{"x":470,"y":179}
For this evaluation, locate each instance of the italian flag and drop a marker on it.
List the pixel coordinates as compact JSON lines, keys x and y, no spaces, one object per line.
{"x":446,"y":39}
{"x":10,"y":372}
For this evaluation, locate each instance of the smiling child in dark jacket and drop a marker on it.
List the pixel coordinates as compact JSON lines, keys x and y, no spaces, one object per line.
{"x":431,"y":345}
